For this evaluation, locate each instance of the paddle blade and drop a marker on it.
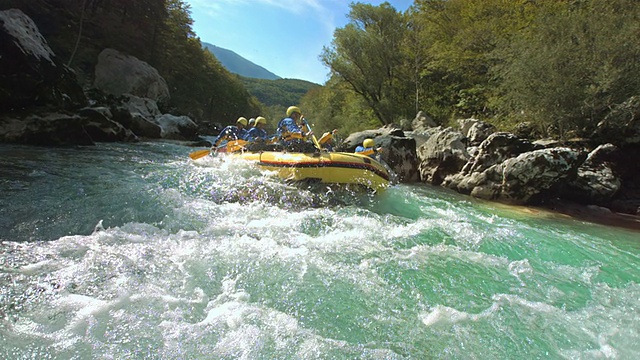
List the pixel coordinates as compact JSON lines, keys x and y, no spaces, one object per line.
{"x":313,"y":136}
{"x":315,"y":142}
{"x":236,"y":145}
{"x":198,"y":154}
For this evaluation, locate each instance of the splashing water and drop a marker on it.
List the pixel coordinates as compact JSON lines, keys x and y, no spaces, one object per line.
{"x":135,"y":251}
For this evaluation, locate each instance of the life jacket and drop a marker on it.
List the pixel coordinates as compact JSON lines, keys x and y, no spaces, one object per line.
{"x":230,"y":132}
{"x":370,"y":152}
{"x":289,"y":131}
{"x":255,"y":134}
{"x":242,"y":133}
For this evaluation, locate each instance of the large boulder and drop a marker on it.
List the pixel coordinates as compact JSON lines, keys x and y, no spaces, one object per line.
{"x":138,"y":114}
{"x":143,"y":107}
{"x":58,"y":128}
{"x":103,"y":129}
{"x":421,"y":136}
{"x":529,"y":178}
{"x":422,"y":122}
{"x":118,"y":74}
{"x":596,"y":182}
{"x":398,"y":150}
{"x":478,"y":132}
{"x":509,"y":168}
{"x":140,"y":125}
{"x":177,"y":127}
{"x":443,"y":154}
{"x":495,"y":149}
{"x":30,"y":73}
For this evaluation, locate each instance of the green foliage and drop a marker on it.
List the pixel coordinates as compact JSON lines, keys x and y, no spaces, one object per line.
{"x":284,"y":92}
{"x":571,"y":66}
{"x":558,"y":65}
{"x":337,"y":106}
{"x":459,"y":38}
{"x":366,"y":55}
{"x":155,"y":31}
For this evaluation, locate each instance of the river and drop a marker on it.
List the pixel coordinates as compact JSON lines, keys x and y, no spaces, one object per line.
{"x":133,"y":251}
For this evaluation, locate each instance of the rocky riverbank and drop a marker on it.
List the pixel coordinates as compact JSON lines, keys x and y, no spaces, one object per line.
{"x":477,"y":160}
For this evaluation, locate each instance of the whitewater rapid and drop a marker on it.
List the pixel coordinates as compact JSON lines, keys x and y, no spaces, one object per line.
{"x":134,"y":251}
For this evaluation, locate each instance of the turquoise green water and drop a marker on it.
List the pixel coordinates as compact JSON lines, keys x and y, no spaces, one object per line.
{"x":136,"y":252}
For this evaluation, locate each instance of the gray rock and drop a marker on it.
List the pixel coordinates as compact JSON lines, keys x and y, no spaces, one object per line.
{"x":398,"y":151}
{"x":443,"y":154}
{"x":52,"y":129}
{"x":478,"y":132}
{"x":118,"y":74}
{"x":422,"y":122}
{"x":596,"y":182}
{"x":177,"y":127}
{"x":495,"y":149}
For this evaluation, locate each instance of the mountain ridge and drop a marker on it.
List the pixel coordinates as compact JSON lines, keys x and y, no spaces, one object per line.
{"x":238,"y":65}
{"x":267,"y":87}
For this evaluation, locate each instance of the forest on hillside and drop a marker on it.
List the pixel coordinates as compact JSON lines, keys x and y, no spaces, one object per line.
{"x":558,"y":66}
{"x":158,"y":32}
{"x":277,"y":95}
{"x":555,"y":66}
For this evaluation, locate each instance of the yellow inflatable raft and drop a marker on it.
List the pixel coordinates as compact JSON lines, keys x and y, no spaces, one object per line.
{"x":324,"y":167}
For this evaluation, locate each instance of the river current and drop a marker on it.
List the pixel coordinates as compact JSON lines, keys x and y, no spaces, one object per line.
{"x":134,"y":251}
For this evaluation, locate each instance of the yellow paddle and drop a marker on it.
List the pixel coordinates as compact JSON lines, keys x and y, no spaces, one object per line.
{"x":313,"y":136}
{"x":200,"y":153}
{"x":233,"y":146}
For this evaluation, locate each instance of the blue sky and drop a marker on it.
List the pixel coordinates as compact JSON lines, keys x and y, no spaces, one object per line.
{"x":283,"y":36}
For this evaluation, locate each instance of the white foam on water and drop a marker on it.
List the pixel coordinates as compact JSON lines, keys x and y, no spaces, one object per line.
{"x":410,"y":229}
{"x":518,"y":268}
{"x":608,"y":323}
{"x":601,"y":329}
{"x":186,"y":290}
{"x":444,"y":315}
{"x":38,"y":268}
{"x":517,"y":301}
{"x":423,"y":253}
{"x":227,"y":167}
{"x":238,"y":328}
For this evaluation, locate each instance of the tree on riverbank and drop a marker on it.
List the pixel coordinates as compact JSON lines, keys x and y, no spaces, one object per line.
{"x":559,"y":65}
